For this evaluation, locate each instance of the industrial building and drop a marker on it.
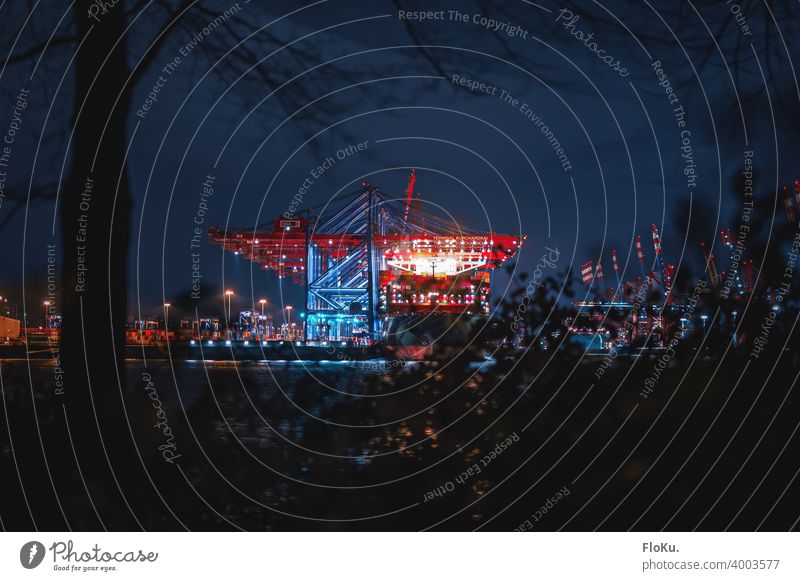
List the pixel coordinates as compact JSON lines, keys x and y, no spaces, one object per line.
{"x":9,"y":329}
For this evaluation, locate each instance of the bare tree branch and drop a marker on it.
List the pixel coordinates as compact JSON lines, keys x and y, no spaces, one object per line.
{"x":33,"y":51}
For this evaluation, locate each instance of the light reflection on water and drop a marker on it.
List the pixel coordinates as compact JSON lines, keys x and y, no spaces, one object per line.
{"x":288,"y":432}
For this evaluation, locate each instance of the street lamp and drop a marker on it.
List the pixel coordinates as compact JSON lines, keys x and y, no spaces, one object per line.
{"x":229,"y":294}
{"x":289,"y":321}
{"x":166,"y":318}
{"x":46,"y":309}
{"x":704,"y":318}
{"x":262,"y":302}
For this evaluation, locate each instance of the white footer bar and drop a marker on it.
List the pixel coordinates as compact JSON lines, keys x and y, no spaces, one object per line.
{"x":396,"y":556}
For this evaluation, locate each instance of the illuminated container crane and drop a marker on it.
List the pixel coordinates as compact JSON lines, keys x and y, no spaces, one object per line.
{"x":365,"y":259}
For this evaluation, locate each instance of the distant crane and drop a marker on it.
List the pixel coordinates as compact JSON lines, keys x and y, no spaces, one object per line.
{"x":601,"y":278}
{"x":640,"y":255}
{"x":727,"y":241}
{"x":615,"y":264}
{"x":587,"y":274}
{"x":711,"y":266}
{"x":665,"y":282}
{"x":787,"y":202}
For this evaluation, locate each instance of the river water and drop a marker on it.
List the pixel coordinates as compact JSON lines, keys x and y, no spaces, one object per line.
{"x":290,"y":444}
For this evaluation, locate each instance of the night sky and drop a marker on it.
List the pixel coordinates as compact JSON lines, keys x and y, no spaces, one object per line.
{"x":342,"y":73}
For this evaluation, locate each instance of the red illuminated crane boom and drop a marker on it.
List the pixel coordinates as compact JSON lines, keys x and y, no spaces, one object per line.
{"x":409,"y":194}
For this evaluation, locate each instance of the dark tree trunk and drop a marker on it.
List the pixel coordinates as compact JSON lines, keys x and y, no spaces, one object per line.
{"x":95,"y":206}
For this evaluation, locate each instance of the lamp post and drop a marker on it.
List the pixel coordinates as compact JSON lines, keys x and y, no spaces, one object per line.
{"x":46,"y":312}
{"x":289,"y":321}
{"x":166,"y":318}
{"x":262,"y":302}
{"x":229,"y":295}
